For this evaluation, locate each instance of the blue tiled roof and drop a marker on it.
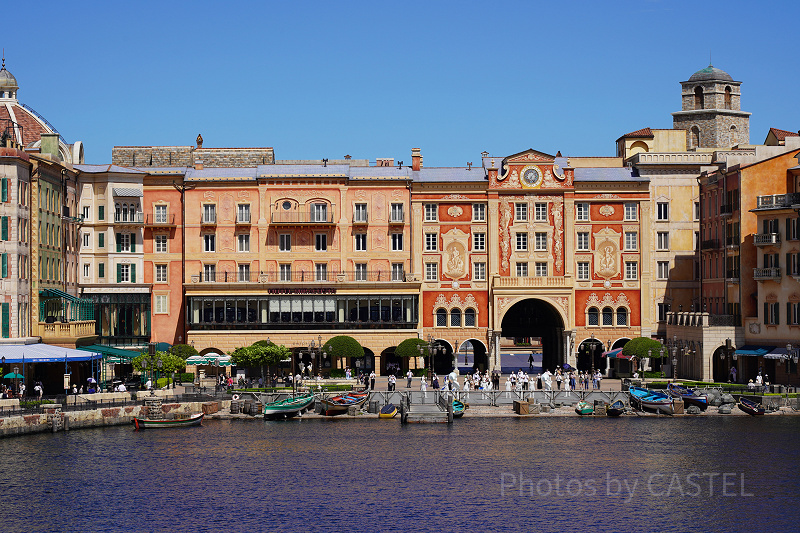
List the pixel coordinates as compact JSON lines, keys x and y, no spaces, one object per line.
{"x":94,"y":169}
{"x":446,"y":174}
{"x":607,"y":174}
{"x":279,"y":171}
{"x":221,"y":174}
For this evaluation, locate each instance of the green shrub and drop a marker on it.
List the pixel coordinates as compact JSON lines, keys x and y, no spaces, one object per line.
{"x":417,"y":372}
{"x":337,"y":373}
{"x":187,"y":377}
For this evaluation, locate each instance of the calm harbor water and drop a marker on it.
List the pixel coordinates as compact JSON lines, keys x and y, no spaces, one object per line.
{"x":480,"y":474}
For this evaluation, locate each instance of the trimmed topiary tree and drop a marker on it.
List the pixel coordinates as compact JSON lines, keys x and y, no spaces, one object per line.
{"x":408,"y":348}
{"x":638,"y":347}
{"x":343,"y":346}
{"x":184,"y":351}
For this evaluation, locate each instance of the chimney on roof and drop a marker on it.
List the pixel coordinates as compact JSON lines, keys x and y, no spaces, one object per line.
{"x":384,"y":161}
{"x":198,"y":164}
{"x":416,"y":159}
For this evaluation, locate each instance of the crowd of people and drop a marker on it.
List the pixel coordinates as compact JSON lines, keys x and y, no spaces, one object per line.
{"x":7,"y":392}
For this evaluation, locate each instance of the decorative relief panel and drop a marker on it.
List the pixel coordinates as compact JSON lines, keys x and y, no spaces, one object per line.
{"x":455,"y":197}
{"x":227,"y":209}
{"x":455,"y":211}
{"x":208,"y":195}
{"x":606,"y":196}
{"x":226,"y":241}
{"x":378,"y":240}
{"x":558,"y":236}
{"x":243,"y":195}
{"x":379,"y":206}
{"x":606,"y":263}
{"x":455,"y":244}
{"x":607,"y":210}
{"x":455,"y":301}
{"x":505,"y":235}
{"x":607,"y":301}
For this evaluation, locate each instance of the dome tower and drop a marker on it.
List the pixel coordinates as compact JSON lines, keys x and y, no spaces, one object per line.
{"x":711,"y":111}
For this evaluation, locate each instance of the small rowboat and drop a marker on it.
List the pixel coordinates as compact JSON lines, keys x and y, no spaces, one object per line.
{"x":642,"y":399}
{"x":458,"y":409}
{"x":388,"y":411}
{"x":289,"y":407}
{"x":146,"y":423}
{"x":615,"y":409}
{"x":750,"y":407}
{"x":583,"y":408}
{"x":689,"y":396}
{"x":340,"y":404}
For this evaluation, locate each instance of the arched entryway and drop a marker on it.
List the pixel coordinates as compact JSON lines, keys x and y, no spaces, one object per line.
{"x":533,"y":317}
{"x":364,"y":364}
{"x":443,"y":359}
{"x":472,"y":356}
{"x":391,"y":363}
{"x":590,"y":355}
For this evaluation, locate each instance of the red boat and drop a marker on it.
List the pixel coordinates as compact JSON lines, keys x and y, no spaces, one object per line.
{"x":340,"y":404}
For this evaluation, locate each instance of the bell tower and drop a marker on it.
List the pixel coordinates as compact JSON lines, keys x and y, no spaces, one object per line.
{"x":711,"y":112}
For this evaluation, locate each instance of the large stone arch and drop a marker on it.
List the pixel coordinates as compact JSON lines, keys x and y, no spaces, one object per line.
{"x":537,"y":317}
{"x":472,"y":356}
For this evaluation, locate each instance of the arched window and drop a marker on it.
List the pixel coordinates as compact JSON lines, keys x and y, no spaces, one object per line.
{"x":441,"y":318}
{"x":733,"y":134}
{"x":727,"y":97}
{"x":695,"y":138}
{"x":608,"y":316}
{"x":594,"y":316}
{"x":455,"y":317}
{"x":698,"y":98}
{"x":622,"y":316}
{"x":469,"y":318}
{"x":117,"y":212}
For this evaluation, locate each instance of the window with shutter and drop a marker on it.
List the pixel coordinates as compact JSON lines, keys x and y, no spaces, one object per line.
{"x":6,"y":321}
{"x":133,"y":273}
{"x":119,"y":242}
{"x":101,"y":212}
{"x":4,"y":196}
{"x":4,"y":229}
{"x":119,"y":273}
{"x":133,"y":242}
{"x":5,"y":266}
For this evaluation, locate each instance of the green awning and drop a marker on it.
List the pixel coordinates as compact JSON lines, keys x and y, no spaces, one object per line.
{"x":111,"y":354}
{"x":55,"y":293}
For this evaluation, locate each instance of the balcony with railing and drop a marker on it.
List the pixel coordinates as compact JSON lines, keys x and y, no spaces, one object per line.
{"x":767,"y":274}
{"x":397,"y":218}
{"x":303,"y":276}
{"x":360,"y":219}
{"x":160,"y":220}
{"x":243,"y":219}
{"x":778,"y":201}
{"x":726,"y":210}
{"x":125,"y":217}
{"x":710,"y":244}
{"x":208,"y":219}
{"x":313,"y":217}
{"x":766,"y":239}
{"x":532,"y":281}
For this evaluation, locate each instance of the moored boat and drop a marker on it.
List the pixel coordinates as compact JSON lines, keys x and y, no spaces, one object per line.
{"x":652,"y":400}
{"x":289,"y":407}
{"x":750,"y":407}
{"x":340,"y":404}
{"x":388,"y":411}
{"x":147,"y":423}
{"x":689,"y":396}
{"x":615,"y":408}
{"x":458,"y":409}
{"x":584,"y":408}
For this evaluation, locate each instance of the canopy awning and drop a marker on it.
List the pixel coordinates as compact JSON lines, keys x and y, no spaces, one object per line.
{"x":56,"y":293}
{"x":778,"y":353}
{"x":45,"y":353}
{"x":751,"y":350}
{"x":615,"y":354}
{"x":112,"y":354}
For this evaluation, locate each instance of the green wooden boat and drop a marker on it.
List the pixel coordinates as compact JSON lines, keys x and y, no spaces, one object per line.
{"x":583,"y":408}
{"x":146,"y":423}
{"x":289,"y":407}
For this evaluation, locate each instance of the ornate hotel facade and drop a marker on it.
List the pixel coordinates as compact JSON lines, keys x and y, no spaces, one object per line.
{"x":221,"y":247}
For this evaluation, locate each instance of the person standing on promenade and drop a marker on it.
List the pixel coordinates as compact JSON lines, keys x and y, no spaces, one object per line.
{"x":409,"y":376}
{"x":559,"y":378}
{"x":365,"y":378}
{"x":435,"y":382}
{"x":372,"y":380}
{"x":733,"y":374}
{"x":423,"y":386}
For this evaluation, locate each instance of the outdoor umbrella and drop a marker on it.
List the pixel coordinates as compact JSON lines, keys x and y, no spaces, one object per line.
{"x":13,"y":375}
{"x":91,"y":380}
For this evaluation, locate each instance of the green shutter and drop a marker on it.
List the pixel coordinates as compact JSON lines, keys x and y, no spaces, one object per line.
{"x":133,"y":273}
{"x":119,"y":273}
{"x":5,"y":265}
{"x":4,"y":197}
{"x":101,"y":270}
{"x":777,"y":314}
{"x":101,"y":240}
{"x":6,"y":320}
{"x":119,"y":242}
{"x":4,"y":229}
{"x":133,"y":242}
{"x":101,"y":212}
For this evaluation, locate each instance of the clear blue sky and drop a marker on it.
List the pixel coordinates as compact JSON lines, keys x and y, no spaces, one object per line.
{"x":373,"y":79}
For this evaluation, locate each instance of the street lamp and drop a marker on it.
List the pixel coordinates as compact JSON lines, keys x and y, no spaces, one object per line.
{"x":591,"y":349}
{"x":433,"y":350}
{"x":151,"y":360}
{"x":16,"y":386}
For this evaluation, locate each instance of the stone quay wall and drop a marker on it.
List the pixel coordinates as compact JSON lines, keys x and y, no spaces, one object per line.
{"x":52,"y":419}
